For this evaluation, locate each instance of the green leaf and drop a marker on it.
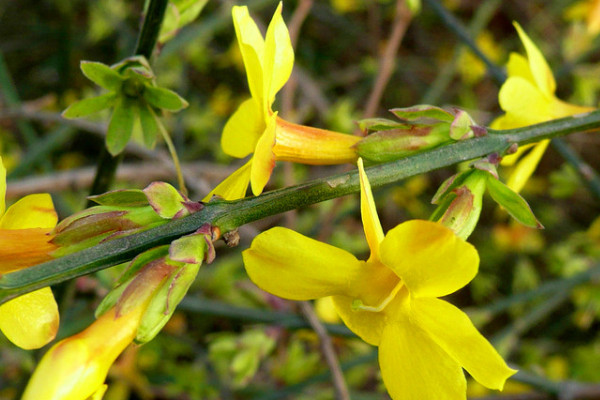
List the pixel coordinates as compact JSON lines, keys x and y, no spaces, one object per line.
{"x":150,"y":128}
{"x":89,"y":106}
{"x":165,"y":200}
{"x":102,"y":75}
{"x":120,"y":127}
{"x":512,"y":202}
{"x":121,"y":198}
{"x":423,"y":111}
{"x":164,"y":98}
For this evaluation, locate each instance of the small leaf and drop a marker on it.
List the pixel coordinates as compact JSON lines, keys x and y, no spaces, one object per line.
{"x":460,"y":129}
{"x":165,"y":200}
{"x":150,"y":128}
{"x":120,"y":127}
{"x":512,"y":202}
{"x":423,"y":111}
{"x":89,"y":106}
{"x":377,"y":124}
{"x":121,"y":198}
{"x":164,"y":98}
{"x":102,"y":75}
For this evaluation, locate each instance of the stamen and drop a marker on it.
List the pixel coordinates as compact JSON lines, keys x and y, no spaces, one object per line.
{"x":357,"y":304}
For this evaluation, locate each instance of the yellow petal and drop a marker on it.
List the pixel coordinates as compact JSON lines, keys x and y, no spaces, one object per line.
{"x":518,"y":66}
{"x":524,"y":102}
{"x":430,"y":259}
{"x":252,"y":46}
{"x":526,"y":166}
{"x":414,"y":367}
{"x":76,"y":367}
{"x":278,"y":56}
{"x":293,"y":266}
{"x":263,"y":161}
{"x":370,"y":219}
{"x":33,"y":211}
{"x":537,"y":63}
{"x":234,"y":186}
{"x":30,"y":321}
{"x":2,"y":187}
{"x":454,"y":332}
{"x":243,"y":129}
{"x":560,"y":109}
{"x":511,"y":159}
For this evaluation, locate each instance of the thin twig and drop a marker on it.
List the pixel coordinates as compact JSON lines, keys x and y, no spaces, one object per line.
{"x":339,"y":384}
{"x":387,"y":60}
{"x":590,"y":178}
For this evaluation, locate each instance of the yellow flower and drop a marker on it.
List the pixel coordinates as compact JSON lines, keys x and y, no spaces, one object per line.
{"x":256,"y":128}
{"x":390,"y":300}
{"x":527,"y":97}
{"x":75,"y":368}
{"x":29,"y":321}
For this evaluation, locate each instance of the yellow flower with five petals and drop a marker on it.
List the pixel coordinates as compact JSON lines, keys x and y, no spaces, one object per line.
{"x":30,"y":321}
{"x":256,"y":128}
{"x":528,"y":97}
{"x":390,"y":300}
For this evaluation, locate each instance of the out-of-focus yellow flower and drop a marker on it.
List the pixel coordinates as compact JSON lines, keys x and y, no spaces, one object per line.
{"x":256,"y":129}
{"x":75,"y":368}
{"x":587,"y":10}
{"x":390,"y":300}
{"x":528,"y":98}
{"x":29,"y":321}
{"x":471,"y":68}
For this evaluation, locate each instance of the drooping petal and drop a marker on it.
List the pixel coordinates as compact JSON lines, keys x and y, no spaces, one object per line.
{"x":370,"y":219}
{"x":278,"y":58}
{"x":293,"y":266}
{"x":2,"y":187}
{"x":234,"y":186}
{"x":430,"y":259}
{"x":454,"y":332}
{"x":263,"y":161}
{"x":526,"y":166}
{"x":243,"y":129}
{"x":252,"y":46}
{"x":524,"y":102}
{"x":560,"y":109}
{"x":32,"y":211}
{"x":414,"y":367}
{"x":537,"y":63}
{"x":30,"y":321}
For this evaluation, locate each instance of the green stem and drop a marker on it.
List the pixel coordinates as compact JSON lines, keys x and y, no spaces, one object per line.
{"x":228,"y":215}
{"x":587,"y":174}
{"x":107,"y":164}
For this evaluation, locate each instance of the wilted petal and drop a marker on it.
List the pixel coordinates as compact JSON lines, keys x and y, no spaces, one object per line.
{"x":278,"y":56}
{"x":526,"y":166}
{"x":537,"y":63}
{"x":30,"y":321}
{"x":430,"y":259}
{"x":234,"y":186}
{"x":454,"y":332}
{"x":293,"y":266}
{"x":414,"y":367}
{"x":32,"y":211}
{"x":243,"y":129}
{"x":263,"y":161}
{"x":370,"y":219}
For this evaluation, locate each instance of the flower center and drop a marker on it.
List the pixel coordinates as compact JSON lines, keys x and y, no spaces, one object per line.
{"x":357,"y":304}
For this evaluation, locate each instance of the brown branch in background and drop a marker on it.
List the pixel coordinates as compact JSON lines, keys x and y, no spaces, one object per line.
{"x":387,"y":60}
{"x":339,"y":384}
{"x":203,"y":175}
